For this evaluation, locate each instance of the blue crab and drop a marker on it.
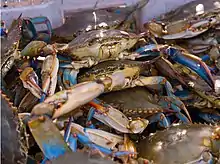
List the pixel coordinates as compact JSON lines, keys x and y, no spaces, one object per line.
{"x":132,"y":74}
{"x":195,"y":143}
{"x":179,"y":56}
{"x":137,"y":102}
{"x":89,"y":48}
{"x":96,"y":139}
{"x":189,"y":10}
{"x":184,"y":28}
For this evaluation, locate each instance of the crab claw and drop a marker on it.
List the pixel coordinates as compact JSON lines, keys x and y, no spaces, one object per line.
{"x":116,"y":119}
{"x":78,"y":95}
{"x":39,"y":128}
{"x":150,"y":50}
{"x":99,"y":137}
{"x":37,"y":48}
{"x":49,"y":74}
{"x":194,"y":30}
{"x":43,"y":109}
{"x":138,"y":125}
{"x":30,"y":81}
{"x":176,"y":105}
{"x":193,"y":62}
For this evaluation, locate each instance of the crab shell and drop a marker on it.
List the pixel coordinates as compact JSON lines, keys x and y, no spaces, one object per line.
{"x":100,"y":44}
{"x":187,"y":10}
{"x":11,"y":149}
{"x":36,"y":48}
{"x":130,"y":69}
{"x":133,"y":102}
{"x":180,"y":144}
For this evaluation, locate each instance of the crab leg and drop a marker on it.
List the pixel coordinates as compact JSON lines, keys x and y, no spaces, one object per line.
{"x":37,"y":48}
{"x":27,"y":102}
{"x":169,"y":70}
{"x":97,"y":139}
{"x":30,"y":81}
{"x":81,"y":94}
{"x":150,"y":50}
{"x":66,"y":101}
{"x":90,"y":116}
{"x":49,"y":75}
{"x":176,"y":104}
{"x":193,"y":62}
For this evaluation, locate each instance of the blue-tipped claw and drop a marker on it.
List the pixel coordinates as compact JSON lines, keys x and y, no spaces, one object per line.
{"x":161,"y":119}
{"x":192,"y":62}
{"x":72,"y":143}
{"x":176,"y":105}
{"x":207,"y":58}
{"x":50,"y":141}
{"x":149,"y":50}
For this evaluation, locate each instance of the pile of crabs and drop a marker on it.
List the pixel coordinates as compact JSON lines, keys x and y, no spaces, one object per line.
{"x":107,"y":91}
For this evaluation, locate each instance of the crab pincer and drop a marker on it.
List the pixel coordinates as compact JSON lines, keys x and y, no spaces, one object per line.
{"x":192,"y":62}
{"x":66,"y":101}
{"x":49,"y":75}
{"x":102,"y":141}
{"x":130,"y":75}
{"x":30,"y":81}
{"x":37,"y":48}
{"x":116,"y":119}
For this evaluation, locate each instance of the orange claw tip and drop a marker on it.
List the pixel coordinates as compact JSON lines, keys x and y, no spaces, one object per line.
{"x":97,"y":106}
